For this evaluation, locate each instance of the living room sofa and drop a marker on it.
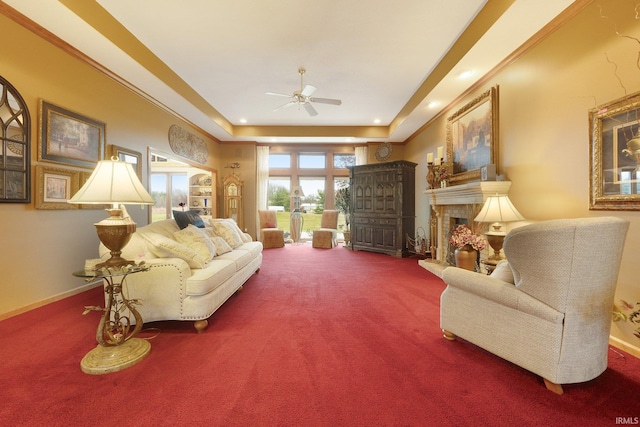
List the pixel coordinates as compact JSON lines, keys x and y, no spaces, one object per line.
{"x":182,"y":283}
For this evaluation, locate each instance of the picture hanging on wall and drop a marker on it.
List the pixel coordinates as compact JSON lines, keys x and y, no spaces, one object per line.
{"x":614,"y":133}
{"x":127,"y":155}
{"x":54,"y":186}
{"x":69,"y":138}
{"x":472,"y":137}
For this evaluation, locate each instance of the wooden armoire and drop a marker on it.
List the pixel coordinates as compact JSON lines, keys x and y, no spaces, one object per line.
{"x":383,"y":207}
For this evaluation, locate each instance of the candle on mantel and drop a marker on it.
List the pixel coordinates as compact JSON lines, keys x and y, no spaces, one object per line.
{"x":438,"y":161}
{"x":441,"y":152}
{"x":430,"y":158}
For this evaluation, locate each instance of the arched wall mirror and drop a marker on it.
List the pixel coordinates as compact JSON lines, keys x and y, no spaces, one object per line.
{"x":15,"y":141}
{"x":180,"y":185}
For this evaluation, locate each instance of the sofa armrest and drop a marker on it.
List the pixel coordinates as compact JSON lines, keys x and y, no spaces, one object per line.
{"x":500,"y":292}
{"x":160,"y":290}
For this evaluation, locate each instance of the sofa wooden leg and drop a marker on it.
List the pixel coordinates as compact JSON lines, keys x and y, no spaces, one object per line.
{"x":239,"y":289}
{"x":448,"y":335}
{"x":556,"y":388}
{"x":257,"y":271}
{"x":201,"y":325}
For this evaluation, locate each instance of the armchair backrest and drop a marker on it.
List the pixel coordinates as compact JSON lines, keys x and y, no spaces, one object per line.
{"x":268,"y":219}
{"x":329,"y":219}
{"x":568,"y":263}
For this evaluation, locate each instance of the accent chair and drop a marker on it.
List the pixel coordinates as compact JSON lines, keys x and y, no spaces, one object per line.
{"x":547,"y":308}
{"x":326,"y":236}
{"x":270,"y":235}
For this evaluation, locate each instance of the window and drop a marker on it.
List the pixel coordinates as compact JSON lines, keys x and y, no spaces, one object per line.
{"x":313,"y":190}
{"x":342,"y":161}
{"x":279,"y":161}
{"x":312,"y":161}
{"x":162,"y":184}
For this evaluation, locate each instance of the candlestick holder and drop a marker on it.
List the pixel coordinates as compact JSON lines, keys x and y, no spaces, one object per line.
{"x":431,"y":176}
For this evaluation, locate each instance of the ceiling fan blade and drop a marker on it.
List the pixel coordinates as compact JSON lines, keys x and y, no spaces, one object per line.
{"x":326,"y":101}
{"x":308,"y":90}
{"x":312,"y":111}
{"x":288,"y":104}
{"x":277,"y":94}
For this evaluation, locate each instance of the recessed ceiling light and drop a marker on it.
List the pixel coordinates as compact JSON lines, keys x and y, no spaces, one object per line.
{"x":433,"y":104}
{"x":243,"y":120}
{"x":466,"y":74}
{"x":349,"y":139}
{"x":274,"y":139}
{"x":376,"y":121}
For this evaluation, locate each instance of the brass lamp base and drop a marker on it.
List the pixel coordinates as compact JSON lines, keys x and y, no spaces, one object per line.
{"x":103,"y":359}
{"x":495,"y":241}
{"x":115,"y":232}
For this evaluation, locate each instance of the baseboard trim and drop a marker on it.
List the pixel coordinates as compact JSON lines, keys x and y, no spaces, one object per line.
{"x":49,"y":300}
{"x":624,"y":346}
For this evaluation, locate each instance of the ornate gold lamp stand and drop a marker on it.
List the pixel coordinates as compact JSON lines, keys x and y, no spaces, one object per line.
{"x":118,"y":348}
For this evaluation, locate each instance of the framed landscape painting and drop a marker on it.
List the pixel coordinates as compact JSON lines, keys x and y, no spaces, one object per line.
{"x":70,"y":138}
{"x":472,"y":137}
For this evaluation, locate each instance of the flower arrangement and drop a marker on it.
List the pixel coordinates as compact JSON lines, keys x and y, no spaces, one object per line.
{"x":463,"y":236}
{"x":441,"y":173}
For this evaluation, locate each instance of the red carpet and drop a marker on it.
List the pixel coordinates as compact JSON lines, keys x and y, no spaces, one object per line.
{"x":318,"y":337}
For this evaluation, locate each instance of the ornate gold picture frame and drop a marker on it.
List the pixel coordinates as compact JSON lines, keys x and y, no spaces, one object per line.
{"x":614,"y":133}
{"x":472,"y":137}
{"x":54,"y":186}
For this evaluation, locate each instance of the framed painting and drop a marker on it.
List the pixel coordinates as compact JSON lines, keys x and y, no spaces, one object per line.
{"x":614,"y":149}
{"x":69,"y":138}
{"x":54,"y":186}
{"x":126,"y":155}
{"x":472,"y":137}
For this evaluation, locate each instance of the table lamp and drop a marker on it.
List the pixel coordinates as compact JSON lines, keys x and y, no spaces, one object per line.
{"x":496,"y":210}
{"x":296,"y":221}
{"x":114,"y":182}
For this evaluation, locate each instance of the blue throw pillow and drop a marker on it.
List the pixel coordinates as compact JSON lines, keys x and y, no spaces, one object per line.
{"x":189,"y":217}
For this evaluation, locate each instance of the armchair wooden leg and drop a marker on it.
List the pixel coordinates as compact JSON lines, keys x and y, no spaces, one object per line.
{"x":556,"y":388}
{"x":201,"y":325}
{"x":448,"y":335}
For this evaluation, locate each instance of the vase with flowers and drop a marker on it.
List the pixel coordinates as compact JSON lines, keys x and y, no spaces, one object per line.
{"x":442,"y":176}
{"x":468,"y":244}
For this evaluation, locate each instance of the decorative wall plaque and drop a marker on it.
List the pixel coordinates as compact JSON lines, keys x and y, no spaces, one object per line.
{"x":187,"y":145}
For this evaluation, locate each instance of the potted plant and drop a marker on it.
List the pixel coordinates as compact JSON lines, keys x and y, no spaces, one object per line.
{"x":343,"y":204}
{"x":468,"y":245}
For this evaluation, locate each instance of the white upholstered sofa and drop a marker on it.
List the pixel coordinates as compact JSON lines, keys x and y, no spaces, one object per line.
{"x":548,"y":309}
{"x":182,"y":283}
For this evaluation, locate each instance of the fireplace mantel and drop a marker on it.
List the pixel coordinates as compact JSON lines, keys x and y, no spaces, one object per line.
{"x":467,"y":194}
{"x":457,"y":201}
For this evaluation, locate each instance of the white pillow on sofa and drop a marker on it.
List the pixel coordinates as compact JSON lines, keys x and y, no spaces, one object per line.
{"x":163,"y":247}
{"x":228,"y":230}
{"x":196,"y":239}
{"x":222,"y":247}
{"x":503,"y":272}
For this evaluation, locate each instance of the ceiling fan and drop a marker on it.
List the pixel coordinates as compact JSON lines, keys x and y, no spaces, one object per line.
{"x":303,"y":97}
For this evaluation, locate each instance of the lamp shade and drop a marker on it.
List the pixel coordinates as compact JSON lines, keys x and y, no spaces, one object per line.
{"x":115,"y":182}
{"x":498,"y":208}
{"x":297,"y":191}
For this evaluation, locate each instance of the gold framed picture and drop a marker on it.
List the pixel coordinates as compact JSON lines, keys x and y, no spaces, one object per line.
{"x":614,"y":155}
{"x":472,"y":137}
{"x":54,"y":186}
{"x":126,"y":155}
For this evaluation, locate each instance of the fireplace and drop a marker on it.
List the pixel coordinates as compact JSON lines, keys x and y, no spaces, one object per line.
{"x":455,"y":205}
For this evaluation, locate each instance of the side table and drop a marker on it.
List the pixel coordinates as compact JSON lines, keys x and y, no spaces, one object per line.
{"x":117,"y":346}
{"x":489,"y":265}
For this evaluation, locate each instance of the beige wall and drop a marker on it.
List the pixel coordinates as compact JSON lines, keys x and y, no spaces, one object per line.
{"x":545,"y":97}
{"x":39,"y":248}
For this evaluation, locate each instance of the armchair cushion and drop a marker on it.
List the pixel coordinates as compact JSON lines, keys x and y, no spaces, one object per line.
{"x":503,"y":272}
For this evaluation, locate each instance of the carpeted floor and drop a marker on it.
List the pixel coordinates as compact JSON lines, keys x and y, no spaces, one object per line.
{"x":318,"y":337}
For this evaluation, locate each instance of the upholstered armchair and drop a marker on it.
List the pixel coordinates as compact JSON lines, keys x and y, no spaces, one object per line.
{"x":548,"y":308}
{"x":327,"y":235}
{"x":270,"y":235}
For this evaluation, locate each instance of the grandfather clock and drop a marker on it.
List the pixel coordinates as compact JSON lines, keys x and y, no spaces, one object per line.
{"x":233,"y":206}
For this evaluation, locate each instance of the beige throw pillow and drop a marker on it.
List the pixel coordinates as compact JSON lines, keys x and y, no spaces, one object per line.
{"x":222,"y":247}
{"x":163,"y":247}
{"x":503,"y":272}
{"x":228,"y":231}
{"x":196,"y":239}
